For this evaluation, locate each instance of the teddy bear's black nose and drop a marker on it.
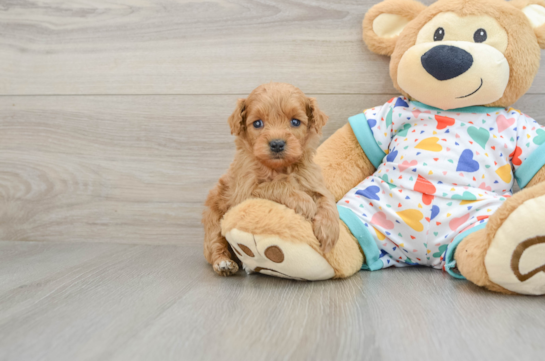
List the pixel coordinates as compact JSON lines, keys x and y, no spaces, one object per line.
{"x":445,"y":62}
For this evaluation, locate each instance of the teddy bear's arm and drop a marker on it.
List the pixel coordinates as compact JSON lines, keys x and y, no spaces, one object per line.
{"x":343,"y":162}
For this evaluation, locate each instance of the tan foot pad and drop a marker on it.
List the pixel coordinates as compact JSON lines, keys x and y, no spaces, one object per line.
{"x":274,"y":256}
{"x":516,"y":257}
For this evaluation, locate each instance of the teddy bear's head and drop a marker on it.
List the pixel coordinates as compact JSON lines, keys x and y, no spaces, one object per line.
{"x":459,"y":53}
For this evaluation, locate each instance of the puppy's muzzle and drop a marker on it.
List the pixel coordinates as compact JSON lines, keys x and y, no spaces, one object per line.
{"x":277,"y":145}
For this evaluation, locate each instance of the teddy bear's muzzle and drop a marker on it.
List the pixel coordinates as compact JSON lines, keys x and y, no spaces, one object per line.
{"x":445,"y":62}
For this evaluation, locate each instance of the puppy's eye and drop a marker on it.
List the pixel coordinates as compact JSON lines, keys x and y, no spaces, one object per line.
{"x":295,"y":122}
{"x":258,"y":124}
{"x":480,"y":36}
{"x":439,"y":34}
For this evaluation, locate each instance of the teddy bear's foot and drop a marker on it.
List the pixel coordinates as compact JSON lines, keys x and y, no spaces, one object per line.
{"x":272,"y":239}
{"x":508,"y":256}
{"x":273,"y":256}
{"x":515,"y":259}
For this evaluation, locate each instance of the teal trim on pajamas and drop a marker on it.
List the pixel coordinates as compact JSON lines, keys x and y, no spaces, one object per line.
{"x":367,"y":140}
{"x":450,"y":262}
{"x":364,"y":237}
{"x":531,"y":166}
{"x":459,"y":110}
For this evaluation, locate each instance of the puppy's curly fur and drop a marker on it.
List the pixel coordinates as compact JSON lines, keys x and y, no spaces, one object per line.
{"x":282,"y":113}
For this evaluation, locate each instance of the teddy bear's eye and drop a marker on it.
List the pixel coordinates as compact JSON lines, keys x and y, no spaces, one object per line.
{"x":480,"y":36}
{"x":439,"y":34}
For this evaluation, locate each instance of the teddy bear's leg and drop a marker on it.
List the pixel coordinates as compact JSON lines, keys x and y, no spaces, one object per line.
{"x":508,"y":256}
{"x":272,"y":239}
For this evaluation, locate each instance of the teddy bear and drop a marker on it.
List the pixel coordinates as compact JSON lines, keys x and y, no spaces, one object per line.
{"x":426,"y":179}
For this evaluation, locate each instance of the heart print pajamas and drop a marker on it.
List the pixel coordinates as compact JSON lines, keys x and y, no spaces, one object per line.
{"x":440,"y":176}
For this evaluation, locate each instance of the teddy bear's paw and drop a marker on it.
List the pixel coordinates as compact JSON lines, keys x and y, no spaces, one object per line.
{"x":274,"y":256}
{"x":515,"y":259}
{"x":225,"y":267}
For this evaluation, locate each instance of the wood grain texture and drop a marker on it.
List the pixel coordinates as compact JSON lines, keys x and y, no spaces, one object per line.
{"x":113,"y":127}
{"x":117,"y":169}
{"x":139,"y":302}
{"x":188,"y":47}
{"x":126,"y":169}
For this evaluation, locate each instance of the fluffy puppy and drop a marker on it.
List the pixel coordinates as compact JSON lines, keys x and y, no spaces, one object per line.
{"x":278,"y":129}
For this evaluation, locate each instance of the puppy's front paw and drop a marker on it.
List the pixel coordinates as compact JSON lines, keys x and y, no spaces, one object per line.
{"x":225,"y":267}
{"x":326,"y":231}
{"x":304,"y":205}
{"x":307,"y":210}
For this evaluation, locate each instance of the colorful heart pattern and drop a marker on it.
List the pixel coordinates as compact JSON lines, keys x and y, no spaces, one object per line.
{"x":505,"y":173}
{"x":379,"y":219}
{"x":430,"y":144}
{"x":503,"y":123}
{"x":404,"y":130}
{"x":406,"y":165}
{"x":465,"y":198}
{"x":456,"y":223}
{"x":370,"y":193}
{"x":427,"y":189}
{"x":412,"y":218}
{"x":540,"y":139}
{"x":466,"y":163}
{"x":515,"y":156}
{"x":443,"y":173}
{"x":444,"y":122}
{"x":480,"y":136}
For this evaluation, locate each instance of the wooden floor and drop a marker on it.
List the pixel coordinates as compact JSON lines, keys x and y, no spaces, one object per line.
{"x":89,"y":301}
{"x":113,"y":129}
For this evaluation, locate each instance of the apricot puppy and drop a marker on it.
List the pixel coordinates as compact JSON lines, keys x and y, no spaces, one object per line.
{"x":278,"y":129}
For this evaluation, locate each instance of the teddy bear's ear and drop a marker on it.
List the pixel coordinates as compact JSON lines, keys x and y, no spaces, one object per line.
{"x":535,"y":12}
{"x":385,"y":21}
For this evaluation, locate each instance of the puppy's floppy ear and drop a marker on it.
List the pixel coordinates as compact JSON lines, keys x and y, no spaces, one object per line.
{"x":316,"y":118}
{"x":237,"y":120}
{"x":385,"y":21}
{"x":535,"y":12}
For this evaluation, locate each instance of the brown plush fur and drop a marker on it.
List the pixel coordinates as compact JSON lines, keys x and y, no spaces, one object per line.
{"x":471,"y":252}
{"x":263,"y":217}
{"x":290,"y":178}
{"x":523,"y":51}
{"x":347,"y":257}
{"x":497,"y":219}
{"x":470,"y":255}
{"x":409,"y":9}
{"x":540,"y":32}
{"x":343,"y":162}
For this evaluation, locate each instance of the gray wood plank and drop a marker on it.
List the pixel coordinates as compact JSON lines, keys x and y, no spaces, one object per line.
{"x":126,"y":169}
{"x":118,"y":169}
{"x":188,"y":47}
{"x":141,"y":302}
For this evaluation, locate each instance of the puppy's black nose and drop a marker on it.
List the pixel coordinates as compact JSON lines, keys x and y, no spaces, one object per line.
{"x":445,"y":62}
{"x":277,"y":145}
